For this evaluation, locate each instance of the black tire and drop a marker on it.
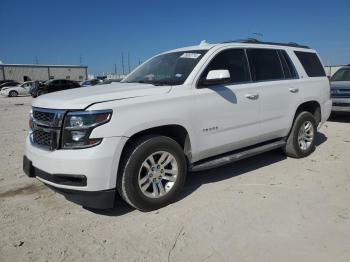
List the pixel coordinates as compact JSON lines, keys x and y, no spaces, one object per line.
{"x":292,"y":147}
{"x":13,"y":93}
{"x":133,"y":157}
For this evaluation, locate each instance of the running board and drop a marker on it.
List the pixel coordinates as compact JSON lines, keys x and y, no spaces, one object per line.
{"x":233,"y":157}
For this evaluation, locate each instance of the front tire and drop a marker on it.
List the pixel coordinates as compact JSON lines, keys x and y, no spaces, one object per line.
{"x":152,"y":172}
{"x":301,"y":140}
{"x":13,"y":94}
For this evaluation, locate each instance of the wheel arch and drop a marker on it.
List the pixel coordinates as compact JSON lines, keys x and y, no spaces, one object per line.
{"x":174,"y":131}
{"x":311,"y":106}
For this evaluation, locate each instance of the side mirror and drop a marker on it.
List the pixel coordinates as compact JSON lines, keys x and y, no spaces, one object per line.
{"x":216,"y":77}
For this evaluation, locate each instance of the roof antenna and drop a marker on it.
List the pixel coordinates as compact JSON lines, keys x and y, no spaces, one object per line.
{"x":203,"y":43}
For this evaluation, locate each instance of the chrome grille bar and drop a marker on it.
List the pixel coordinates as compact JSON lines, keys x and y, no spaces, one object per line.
{"x":46,"y":127}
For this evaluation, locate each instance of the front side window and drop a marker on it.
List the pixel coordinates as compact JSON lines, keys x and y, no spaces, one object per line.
{"x":167,"y":69}
{"x":342,"y":74}
{"x":264,"y":64}
{"x":311,"y":63}
{"x":233,"y":60}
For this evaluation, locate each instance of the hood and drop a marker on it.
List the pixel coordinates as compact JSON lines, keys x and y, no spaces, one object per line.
{"x":80,"y":98}
{"x":340,"y":84}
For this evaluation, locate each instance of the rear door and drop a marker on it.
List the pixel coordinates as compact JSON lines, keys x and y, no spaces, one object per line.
{"x":227,"y":115}
{"x":275,"y":75}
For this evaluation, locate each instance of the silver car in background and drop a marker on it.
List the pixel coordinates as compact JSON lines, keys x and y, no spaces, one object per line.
{"x":340,"y":90}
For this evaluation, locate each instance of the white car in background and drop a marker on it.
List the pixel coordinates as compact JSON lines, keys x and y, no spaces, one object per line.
{"x":19,"y":90}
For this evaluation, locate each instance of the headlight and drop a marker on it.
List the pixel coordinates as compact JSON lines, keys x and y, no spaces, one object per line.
{"x":30,"y":120}
{"x":79,"y":125}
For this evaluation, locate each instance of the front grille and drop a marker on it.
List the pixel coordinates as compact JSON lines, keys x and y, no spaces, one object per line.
{"x":342,"y":104}
{"x":42,"y":138}
{"x":46,"y":127}
{"x":340,"y":95}
{"x":43,"y":116}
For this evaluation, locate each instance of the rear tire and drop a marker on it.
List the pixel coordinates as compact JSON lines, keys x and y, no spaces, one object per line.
{"x":301,"y":140}
{"x":148,"y":186}
{"x":13,"y":94}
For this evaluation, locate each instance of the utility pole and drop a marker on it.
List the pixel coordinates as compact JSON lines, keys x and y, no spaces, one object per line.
{"x":139,"y":62}
{"x":123,"y":64}
{"x":115,"y":69}
{"x":80,"y":60}
{"x":36,"y":60}
{"x":129,"y":62}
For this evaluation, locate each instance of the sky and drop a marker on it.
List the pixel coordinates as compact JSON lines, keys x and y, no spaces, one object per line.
{"x":96,"y":33}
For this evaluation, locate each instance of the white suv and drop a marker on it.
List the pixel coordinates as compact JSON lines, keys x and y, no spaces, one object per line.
{"x":188,"y":109}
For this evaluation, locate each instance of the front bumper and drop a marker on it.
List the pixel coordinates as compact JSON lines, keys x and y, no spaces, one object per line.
{"x":341,"y":105}
{"x":85,"y":176}
{"x":94,"y":199}
{"x":4,"y":93}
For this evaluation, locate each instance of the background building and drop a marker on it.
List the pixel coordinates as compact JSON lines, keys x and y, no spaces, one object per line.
{"x":27,"y":72}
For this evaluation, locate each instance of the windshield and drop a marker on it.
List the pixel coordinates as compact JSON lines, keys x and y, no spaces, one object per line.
{"x":167,"y":69}
{"x":341,"y":75}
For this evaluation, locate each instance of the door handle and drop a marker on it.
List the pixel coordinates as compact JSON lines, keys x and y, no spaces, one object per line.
{"x":252,"y":96}
{"x":293,"y":90}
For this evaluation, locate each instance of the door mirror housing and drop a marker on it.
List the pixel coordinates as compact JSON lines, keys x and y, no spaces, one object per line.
{"x":216,"y":77}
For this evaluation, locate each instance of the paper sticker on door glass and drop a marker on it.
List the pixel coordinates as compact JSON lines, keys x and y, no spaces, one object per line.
{"x":190,"y":55}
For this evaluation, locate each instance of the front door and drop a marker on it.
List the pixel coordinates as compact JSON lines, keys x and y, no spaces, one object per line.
{"x":227,"y":115}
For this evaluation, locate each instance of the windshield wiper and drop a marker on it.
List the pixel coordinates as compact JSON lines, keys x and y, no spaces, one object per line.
{"x":140,"y":82}
{"x":163,"y":83}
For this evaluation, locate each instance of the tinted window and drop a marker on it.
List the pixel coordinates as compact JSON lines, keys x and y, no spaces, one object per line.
{"x":341,"y":75}
{"x":264,"y":64}
{"x":287,"y":65}
{"x":311,"y":63}
{"x":234,"y":61}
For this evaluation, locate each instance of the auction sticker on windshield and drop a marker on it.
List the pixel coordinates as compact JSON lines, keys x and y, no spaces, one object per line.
{"x":190,"y":55}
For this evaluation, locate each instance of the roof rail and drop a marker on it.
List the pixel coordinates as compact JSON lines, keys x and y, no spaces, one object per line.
{"x":256,"y":41}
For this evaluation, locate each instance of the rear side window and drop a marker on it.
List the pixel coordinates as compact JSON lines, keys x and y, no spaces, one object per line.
{"x":311,"y":63}
{"x":287,"y":65}
{"x":264,"y":64}
{"x":233,"y":60}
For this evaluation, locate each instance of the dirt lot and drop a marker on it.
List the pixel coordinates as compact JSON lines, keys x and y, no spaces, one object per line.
{"x":266,"y":208}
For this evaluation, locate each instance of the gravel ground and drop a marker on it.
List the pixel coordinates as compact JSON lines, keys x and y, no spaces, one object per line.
{"x":266,"y":208}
